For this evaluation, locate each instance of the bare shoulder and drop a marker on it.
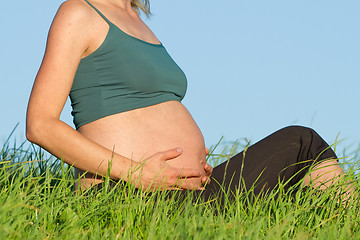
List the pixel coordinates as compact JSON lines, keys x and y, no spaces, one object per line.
{"x":74,"y":12}
{"x":71,"y":27}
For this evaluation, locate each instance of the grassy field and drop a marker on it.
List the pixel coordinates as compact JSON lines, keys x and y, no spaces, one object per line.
{"x":37,"y":202}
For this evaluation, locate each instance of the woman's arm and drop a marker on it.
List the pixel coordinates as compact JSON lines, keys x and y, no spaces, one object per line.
{"x":69,"y":38}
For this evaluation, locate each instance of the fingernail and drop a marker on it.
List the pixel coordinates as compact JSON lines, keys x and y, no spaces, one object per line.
{"x":179,"y":150}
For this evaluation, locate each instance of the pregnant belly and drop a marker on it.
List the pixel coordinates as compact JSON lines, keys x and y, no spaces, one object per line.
{"x":140,"y":133}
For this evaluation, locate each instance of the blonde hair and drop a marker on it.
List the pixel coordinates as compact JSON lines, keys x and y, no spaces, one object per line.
{"x":141,"y":5}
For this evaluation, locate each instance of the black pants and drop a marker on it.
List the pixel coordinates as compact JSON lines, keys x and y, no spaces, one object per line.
{"x":284,"y":155}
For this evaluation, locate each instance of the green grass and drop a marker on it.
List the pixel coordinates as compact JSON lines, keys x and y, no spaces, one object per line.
{"x":37,"y":202}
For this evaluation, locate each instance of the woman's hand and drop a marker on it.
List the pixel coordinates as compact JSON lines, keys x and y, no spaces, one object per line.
{"x":208,"y":170}
{"x":154,"y":173}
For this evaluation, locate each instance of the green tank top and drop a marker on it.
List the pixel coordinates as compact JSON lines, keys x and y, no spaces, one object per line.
{"x":123,"y":74}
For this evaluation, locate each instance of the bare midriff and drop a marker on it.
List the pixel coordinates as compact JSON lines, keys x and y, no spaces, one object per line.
{"x":140,"y":133}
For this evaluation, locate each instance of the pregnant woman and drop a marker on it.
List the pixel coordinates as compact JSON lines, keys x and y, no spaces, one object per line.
{"x":126,"y":94}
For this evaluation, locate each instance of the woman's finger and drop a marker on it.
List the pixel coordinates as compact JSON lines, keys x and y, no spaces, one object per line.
{"x":188,"y":173}
{"x":207,"y":151}
{"x":205,"y":180}
{"x":186,"y":185}
{"x":170,"y":154}
{"x":208,"y":169}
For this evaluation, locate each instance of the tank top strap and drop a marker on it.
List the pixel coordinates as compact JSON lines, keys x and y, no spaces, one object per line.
{"x":102,"y":15}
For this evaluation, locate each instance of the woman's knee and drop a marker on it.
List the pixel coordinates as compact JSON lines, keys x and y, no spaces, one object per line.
{"x":298,"y":131}
{"x":309,"y":141}
{"x":299,"y":136}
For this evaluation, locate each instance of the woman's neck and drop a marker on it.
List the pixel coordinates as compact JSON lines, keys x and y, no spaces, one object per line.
{"x":124,"y":4}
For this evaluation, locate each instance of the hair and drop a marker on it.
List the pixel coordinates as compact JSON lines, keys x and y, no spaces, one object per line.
{"x":141,"y":5}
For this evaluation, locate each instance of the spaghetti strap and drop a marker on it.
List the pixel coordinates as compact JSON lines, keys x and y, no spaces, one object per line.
{"x":102,"y":15}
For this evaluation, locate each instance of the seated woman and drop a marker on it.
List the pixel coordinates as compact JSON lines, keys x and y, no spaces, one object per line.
{"x":126,"y":94}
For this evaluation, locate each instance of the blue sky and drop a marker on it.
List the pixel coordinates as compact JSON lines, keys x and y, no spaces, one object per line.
{"x":252,"y":66}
